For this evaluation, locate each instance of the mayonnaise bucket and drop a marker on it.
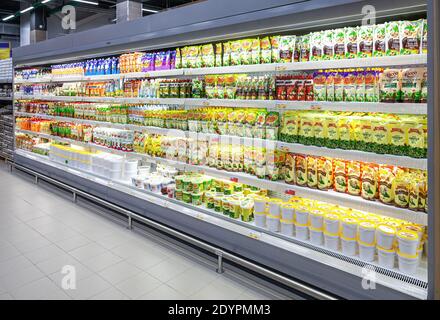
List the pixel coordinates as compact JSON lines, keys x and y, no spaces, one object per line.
{"x":385,"y":237}
{"x":367,"y":233}
{"x":260,"y":219}
{"x":349,"y":228}
{"x":386,"y":257}
{"x":273,"y":223}
{"x":407,"y":264}
{"x":331,"y":241}
{"x":331,"y":226}
{"x":317,"y":221}
{"x":301,"y":231}
{"x":287,"y":227}
{"x":274,"y":207}
{"x":302,"y":216}
{"x":259,"y":204}
{"x":408,"y":242}
{"x":287,"y":212}
{"x":366,"y":251}
{"x":316,"y":236}
{"x":349,"y":247}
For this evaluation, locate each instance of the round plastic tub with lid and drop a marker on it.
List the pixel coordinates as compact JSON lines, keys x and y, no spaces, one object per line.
{"x":316,"y":219}
{"x":367,"y":232}
{"x":349,"y":246}
{"x":385,"y":236}
{"x":287,"y":227}
{"x":287,"y":212}
{"x":349,"y":228}
{"x":408,"y":263}
{"x":273,"y":223}
{"x":408,"y":242}
{"x":331,"y":223}
{"x":331,"y":241}
{"x":260,"y":219}
{"x":274,"y":206}
{"x":301,"y":231}
{"x":316,"y":236}
{"x":130,"y":165}
{"x":386,"y":257}
{"x":366,"y":251}
{"x":302,"y":215}
{"x":260,"y":204}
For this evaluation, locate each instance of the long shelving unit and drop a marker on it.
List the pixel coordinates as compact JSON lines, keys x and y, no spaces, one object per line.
{"x":277,"y":186}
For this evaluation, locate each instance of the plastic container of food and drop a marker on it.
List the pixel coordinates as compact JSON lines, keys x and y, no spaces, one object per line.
{"x":260,"y":204}
{"x":186,"y":197}
{"x":178,"y":194}
{"x":316,"y":236}
{"x":407,"y":263}
{"x":301,"y":231}
{"x":274,"y":206}
{"x":386,"y":257}
{"x":246,"y":207}
{"x":130,"y":165}
{"x":331,"y":241}
{"x":317,"y":219}
{"x":138,"y":181}
{"x":408,"y":242}
{"x":331,"y":223}
{"x":287,"y":212}
{"x":179,"y":182}
{"x":196,"y":199}
{"x":367,"y":232}
{"x":273,"y":223}
{"x":260,"y":219}
{"x":349,"y":246}
{"x":366,"y":251}
{"x":187,"y":184}
{"x":218,"y":203}
{"x":349,"y":228}
{"x":287,"y":227}
{"x":385,"y":237}
{"x":302,"y":216}
{"x":155,"y":186}
{"x":234,"y":208}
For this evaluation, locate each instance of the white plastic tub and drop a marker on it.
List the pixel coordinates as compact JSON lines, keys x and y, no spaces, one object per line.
{"x":408,"y":242}
{"x":287,"y":228}
{"x":287,"y":212}
{"x":130,"y":165}
{"x":349,"y":228}
{"x":114,"y":174}
{"x":273,"y":223}
{"x":316,"y":236}
{"x":302,"y":216}
{"x":349,"y":247}
{"x":366,"y":252}
{"x":386,"y":257}
{"x":301,"y":232}
{"x":260,"y":204}
{"x":331,"y":241}
{"x":274,"y":207}
{"x":260,"y":219}
{"x":385,"y":237}
{"x":316,"y":220}
{"x":408,"y":264}
{"x":367,"y":233}
{"x":331,"y":223}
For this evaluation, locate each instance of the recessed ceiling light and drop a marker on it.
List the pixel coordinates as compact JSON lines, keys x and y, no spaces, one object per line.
{"x":46,"y":1}
{"x":27,"y":9}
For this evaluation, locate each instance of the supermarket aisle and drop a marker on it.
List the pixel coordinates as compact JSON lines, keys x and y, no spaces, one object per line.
{"x":41,"y":232}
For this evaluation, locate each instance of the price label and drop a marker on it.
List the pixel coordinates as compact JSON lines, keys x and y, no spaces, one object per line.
{"x":233,"y":179}
{"x":147,"y":75}
{"x":290,"y":192}
{"x":200,"y":216}
{"x":316,"y":107}
{"x":254,"y":235}
{"x":206,"y":103}
{"x":281,"y":105}
{"x":280,"y":68}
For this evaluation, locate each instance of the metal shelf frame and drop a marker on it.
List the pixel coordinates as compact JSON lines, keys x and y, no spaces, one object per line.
{"x":210,"y":21}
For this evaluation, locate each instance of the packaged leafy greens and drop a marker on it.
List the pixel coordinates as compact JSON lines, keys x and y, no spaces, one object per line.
{"x":392,"y":38}
{"x":351,"y":42}
{"x":379,"y":41}
{"x":365,"y":41}
{"x":411,"y":36}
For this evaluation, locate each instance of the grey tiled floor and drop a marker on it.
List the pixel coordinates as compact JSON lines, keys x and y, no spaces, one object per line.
{"x":40,"y":233}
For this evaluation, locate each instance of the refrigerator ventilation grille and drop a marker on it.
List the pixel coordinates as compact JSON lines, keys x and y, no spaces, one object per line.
{"x":389,"y":273}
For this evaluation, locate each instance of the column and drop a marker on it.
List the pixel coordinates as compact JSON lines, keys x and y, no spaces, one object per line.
{"x":127,"y":10}
{"x":38,"y":25}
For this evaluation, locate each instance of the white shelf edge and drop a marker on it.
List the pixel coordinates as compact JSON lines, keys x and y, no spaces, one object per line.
{"x":354,"y":155}
{"x":279,"y":105}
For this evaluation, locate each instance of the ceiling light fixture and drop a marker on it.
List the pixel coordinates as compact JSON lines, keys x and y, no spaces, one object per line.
{"x":8,"y":17}
{"x":27,"y":9}
{"x":150,"y":10}
{"x":45,"y":1}
{"x":87,"y":2}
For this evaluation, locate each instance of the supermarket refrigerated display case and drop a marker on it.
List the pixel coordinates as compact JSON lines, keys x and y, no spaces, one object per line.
{"x":317,"y":265}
